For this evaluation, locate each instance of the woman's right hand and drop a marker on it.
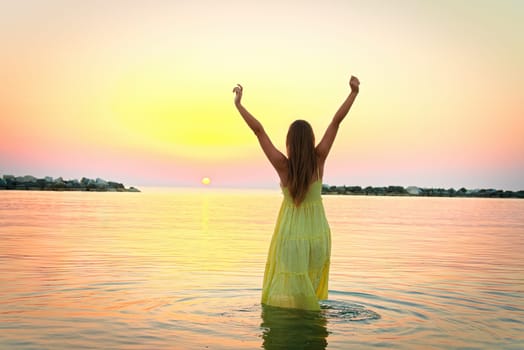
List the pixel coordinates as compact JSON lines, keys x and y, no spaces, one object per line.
{"x":354,"y":83}
{"x":238,"y":93}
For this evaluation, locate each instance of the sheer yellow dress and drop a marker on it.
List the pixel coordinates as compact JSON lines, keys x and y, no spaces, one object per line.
{"x":297,"y":269}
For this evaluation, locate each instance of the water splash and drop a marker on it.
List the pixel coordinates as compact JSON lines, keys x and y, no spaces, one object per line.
{"x":340,"y":311}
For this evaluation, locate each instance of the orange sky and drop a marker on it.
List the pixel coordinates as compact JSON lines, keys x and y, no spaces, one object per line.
{"x":140,"y":92}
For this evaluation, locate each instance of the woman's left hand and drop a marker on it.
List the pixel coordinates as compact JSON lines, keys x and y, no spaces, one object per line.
{"x":238,"y":93}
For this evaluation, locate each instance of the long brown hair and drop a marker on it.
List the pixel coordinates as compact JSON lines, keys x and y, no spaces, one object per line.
{"x":302,"y":159}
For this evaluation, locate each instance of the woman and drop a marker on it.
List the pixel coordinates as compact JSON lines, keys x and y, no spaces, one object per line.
{"x":297,"y":268}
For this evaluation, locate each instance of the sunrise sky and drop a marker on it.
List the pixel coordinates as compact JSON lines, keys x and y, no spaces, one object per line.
{"x":140,"y":91}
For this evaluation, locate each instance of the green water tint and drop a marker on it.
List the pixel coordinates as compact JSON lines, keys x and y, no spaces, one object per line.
{"x":293,"y":329}
{"x":302,"y":329}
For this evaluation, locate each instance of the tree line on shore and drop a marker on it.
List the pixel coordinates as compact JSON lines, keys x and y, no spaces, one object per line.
{"x":420,"y":192}
{"x":28,"y":182}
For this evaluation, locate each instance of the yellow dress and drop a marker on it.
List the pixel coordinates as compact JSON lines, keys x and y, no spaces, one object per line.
{"x":297,"y":268}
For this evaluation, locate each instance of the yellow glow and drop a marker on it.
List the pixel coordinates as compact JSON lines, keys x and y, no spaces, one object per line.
{"x":156,"y":95}
{"x":163,"y":110}
{"x":206,"y":181}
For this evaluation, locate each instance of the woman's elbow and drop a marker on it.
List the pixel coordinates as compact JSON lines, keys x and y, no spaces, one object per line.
{"x":258,"y":129}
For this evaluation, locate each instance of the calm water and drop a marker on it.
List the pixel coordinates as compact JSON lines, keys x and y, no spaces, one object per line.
{"x":182,"y":269}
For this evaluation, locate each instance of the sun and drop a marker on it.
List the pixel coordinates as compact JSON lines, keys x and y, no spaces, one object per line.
{"x":206,"y":181}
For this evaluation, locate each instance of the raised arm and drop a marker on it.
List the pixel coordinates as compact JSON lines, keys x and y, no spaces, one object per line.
{"x":325,"y":144}
{"x":277,"y":159}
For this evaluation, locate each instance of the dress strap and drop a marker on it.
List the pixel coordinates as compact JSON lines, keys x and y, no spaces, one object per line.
{"x":318,"y":174}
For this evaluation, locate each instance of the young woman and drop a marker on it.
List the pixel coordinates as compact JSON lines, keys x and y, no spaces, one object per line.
{"x":297,"y":268}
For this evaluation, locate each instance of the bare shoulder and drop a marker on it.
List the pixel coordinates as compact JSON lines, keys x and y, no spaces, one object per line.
{"x":321,"y":155}
{"x":320,"y":165}
{"x":281,"y":168}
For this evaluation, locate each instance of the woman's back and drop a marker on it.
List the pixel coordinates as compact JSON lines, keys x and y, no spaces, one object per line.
{"x":312,"y":195}
{"x":297,"y":268}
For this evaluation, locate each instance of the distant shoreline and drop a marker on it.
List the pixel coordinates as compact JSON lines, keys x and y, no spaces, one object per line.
{"x":31,"y":183}
{"x":414,"y":191}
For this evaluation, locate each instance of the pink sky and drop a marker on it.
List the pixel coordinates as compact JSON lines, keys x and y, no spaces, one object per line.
{"x":140,"y":92}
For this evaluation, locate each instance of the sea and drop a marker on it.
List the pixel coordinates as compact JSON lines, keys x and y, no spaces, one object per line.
{"x":181,"y":268}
